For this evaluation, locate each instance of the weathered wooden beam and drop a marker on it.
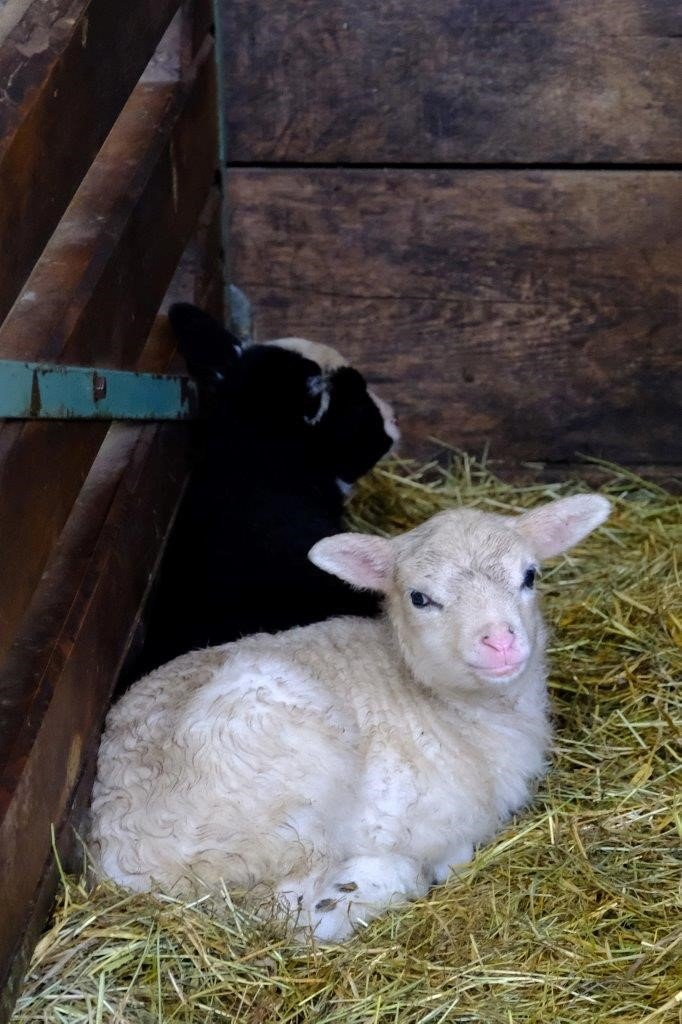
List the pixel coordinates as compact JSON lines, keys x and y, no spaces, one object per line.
{"x":537,"y":310}
{"x":67,"y":67}
{"x":82,"y":619}
{"x":85,"y":512}
{"x":92,"y":298}
{"x":114,"y":251}
{"x":209,"y":254}
{"x":200,"y":14}
{"x":453,"y":81}
{"x":42,"y":470}
{"x":128,"y":503}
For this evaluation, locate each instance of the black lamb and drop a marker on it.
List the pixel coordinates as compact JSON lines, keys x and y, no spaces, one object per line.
{"x":286,"y":427}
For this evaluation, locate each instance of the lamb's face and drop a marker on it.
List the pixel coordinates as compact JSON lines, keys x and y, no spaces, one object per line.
{"x":462,"y":600}
{"x":460,"y":588}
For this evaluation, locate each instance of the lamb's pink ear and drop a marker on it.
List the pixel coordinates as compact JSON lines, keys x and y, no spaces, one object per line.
{"x":556,"y":527}
{"x":366,"y":562}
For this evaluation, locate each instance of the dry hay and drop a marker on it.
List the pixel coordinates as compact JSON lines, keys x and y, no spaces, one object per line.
{"x":570,"y":917}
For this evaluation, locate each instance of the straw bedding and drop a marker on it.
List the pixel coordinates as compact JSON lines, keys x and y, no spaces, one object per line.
{"x":571,"y":916}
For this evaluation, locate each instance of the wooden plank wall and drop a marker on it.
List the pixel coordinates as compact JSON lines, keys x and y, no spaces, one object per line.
{"x":480,"y":202}
{"x":94,"y":243}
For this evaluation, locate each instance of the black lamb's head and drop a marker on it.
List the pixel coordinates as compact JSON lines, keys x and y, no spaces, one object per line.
{"x":290,"y":388}
{"x":348,"y":423}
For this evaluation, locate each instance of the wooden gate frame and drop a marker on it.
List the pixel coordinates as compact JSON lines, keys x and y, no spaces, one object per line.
{"x":109,"y":211}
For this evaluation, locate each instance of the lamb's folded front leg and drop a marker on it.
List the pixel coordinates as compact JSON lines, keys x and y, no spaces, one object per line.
{"x":353,"y":892}
{"x":456,"y":857}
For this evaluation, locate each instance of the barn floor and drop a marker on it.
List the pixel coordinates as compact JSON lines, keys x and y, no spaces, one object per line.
{"x":568,"y":918}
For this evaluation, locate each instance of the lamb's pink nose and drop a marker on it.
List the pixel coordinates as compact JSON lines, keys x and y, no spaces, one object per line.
{"x":502,"y":640}
{"x":501,"y":652}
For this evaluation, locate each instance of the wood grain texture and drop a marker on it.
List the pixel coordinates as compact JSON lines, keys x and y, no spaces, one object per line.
{"x":103,"y":573}
{"x":67,"y":67}
{"x":113,"y":254}
{"x":76,"y":632}
{"x":42,"y":897}
{"x":85,"y":509}
{"x":92,"y":298}
{"x":200,"y":15}
{"x":453,"y":81}
{"x":537,"y":310}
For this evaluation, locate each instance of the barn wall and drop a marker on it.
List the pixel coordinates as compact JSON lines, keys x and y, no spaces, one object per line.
{"x":479,"y":202}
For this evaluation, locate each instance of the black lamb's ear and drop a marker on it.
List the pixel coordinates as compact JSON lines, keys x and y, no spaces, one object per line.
{"x":209,"y":349}
{"x":316,"y":401}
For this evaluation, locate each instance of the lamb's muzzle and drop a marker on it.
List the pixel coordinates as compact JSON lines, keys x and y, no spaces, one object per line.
{"x":351,"y":763}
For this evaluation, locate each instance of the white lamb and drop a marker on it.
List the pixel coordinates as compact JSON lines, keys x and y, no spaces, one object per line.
{"x":348,"y":764}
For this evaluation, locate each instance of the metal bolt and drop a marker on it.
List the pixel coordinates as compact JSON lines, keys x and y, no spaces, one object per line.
{"x":99,"y":387}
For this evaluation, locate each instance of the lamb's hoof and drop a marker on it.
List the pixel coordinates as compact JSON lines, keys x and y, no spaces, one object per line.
{"x":325,"y":905}
{"x":347,"y":887}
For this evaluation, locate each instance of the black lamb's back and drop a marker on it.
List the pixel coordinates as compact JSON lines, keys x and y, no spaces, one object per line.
{"x":237,"y":561}
{"x":264,"y":489}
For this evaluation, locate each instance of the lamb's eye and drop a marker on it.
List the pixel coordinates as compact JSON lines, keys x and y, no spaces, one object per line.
{"x":529,"y":578}
{"x":420,"y":600}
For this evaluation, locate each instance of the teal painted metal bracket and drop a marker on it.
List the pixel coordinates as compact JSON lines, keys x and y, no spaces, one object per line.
{"x":46,"y":391}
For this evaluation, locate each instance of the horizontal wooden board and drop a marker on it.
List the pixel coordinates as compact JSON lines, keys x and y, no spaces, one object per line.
{"x":537,"y":310}
{"x":67,"y":67}
{"x":453,"y":81}
{"x":92,"y":298}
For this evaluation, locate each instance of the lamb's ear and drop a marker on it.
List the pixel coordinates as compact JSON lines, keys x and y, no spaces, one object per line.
{"x":366,"y":562}
{"x":208,"y":348}
{"x":316,"y":400}
{"x":556,"y":527}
